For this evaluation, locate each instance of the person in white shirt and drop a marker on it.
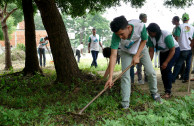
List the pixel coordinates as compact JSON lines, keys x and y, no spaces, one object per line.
{"x":41,"y":50}
{"x":131,"y":37}
{"x":169,"y":52}
{"x":79,"y":51}
{"x":93,"y":46}
{"x":175,"y":21}
{"x":183,"y":33}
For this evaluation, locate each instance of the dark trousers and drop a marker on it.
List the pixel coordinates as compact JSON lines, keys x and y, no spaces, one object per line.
{"x":94,"y":56}
{"x":184,"y":56}
{"x":41,"y":52}
{"x":118,"y":59}
{"x":181,"y":72}
{"x":78,"y":55}
{"x":167,"y":73}
{"x":132,"y":74}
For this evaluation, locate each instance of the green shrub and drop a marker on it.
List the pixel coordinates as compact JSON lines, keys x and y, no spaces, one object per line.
{"x":20,"y":46}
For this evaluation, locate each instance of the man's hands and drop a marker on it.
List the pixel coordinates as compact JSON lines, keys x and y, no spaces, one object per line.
{"x":164,"y":65}
{"x":135,"y":60}
{"x":109,"y":83}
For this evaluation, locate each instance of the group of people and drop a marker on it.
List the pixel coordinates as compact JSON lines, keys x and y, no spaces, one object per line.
{"x":131,"y":39}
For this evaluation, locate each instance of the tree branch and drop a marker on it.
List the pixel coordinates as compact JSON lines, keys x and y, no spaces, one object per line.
{"x":5,"y":8}
{"x":8,"y":14}
{"x":0,"y":10}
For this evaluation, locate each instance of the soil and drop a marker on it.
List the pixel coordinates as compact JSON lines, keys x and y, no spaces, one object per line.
{"x":178,"y":88}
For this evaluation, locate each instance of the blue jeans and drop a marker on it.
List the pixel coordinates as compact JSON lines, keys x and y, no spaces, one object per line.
{"x":184,"y":56}
{"x":167,"y":73}
{"x":94,"y":56}
{"x":41,"y":52}
{"x":132,"y":74}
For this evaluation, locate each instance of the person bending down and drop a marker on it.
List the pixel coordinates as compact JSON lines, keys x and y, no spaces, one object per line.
{"x":132,"y":37}
{"x":169,"y":52}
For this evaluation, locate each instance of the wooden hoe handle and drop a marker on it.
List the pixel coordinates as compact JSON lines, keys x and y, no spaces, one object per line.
{"x":106,"y":87}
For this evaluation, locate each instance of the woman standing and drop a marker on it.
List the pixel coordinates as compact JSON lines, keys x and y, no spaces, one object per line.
{"x":169,"y":51}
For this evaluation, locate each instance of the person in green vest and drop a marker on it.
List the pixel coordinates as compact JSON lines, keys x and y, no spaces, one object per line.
{"x":131,"y":37}
{"x":169,"y":52}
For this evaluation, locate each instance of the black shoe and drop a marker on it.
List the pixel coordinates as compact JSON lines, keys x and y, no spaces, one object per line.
{"x":121,"y":107}
{"x":192,"y":72}
{"x":185,"y":81}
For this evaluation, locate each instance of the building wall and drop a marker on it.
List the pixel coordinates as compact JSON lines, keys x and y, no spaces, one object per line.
{"x":18,"y":36}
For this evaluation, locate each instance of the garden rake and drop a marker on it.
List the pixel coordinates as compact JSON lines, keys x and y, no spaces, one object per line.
{"x":106,"y":88}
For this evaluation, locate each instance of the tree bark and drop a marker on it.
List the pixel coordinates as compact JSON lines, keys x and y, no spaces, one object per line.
{"x":64,"y":60}
{"x":31,"y":60}
{"x":8,"y":63}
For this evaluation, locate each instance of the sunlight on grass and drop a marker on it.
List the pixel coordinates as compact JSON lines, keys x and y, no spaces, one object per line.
{"x":85,"y":64}
{"x":102,"y":64}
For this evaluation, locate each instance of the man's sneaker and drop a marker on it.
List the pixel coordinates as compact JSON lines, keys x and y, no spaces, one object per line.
{"x":140,"y":81}
{"x":156,"y":97}
{"x":121,"y":107}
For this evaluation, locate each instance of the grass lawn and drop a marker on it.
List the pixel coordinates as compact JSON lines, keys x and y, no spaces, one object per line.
{"x":37,"y":101}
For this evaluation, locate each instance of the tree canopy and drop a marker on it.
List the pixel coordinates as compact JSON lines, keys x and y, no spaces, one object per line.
{"x":81,"y":7}
{"x":178,"y":3}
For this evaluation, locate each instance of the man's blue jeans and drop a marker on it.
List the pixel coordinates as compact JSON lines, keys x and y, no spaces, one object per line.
{"x":41,"y":52}
{"x":184,"y":56}
{"x":94,"y":56}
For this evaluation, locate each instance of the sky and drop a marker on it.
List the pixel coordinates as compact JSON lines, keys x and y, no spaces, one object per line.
{"x":155,"y":10}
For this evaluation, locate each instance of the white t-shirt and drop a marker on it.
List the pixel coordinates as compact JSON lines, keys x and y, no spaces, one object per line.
{"x":94,"y":40}
{"x":184,"y":32}
{"x":43,"y":44}
{"x":131,"y":45}
{"x":81,"y":46}
{"x":165,"y":38}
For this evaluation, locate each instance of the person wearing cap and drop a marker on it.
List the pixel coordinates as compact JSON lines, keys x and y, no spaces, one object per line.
{"x":169,"y":52}
{"x":41,"y":50}
{"x":131,"y":38}
{"x":183,"y":34}
{"x":175,"y":21}
{"x":93,"y":46}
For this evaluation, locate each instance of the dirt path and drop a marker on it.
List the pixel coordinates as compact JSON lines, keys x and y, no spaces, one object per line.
{"x":178,"y":88}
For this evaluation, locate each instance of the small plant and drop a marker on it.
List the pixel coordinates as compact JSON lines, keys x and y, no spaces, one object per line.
{"x":21,"y":46}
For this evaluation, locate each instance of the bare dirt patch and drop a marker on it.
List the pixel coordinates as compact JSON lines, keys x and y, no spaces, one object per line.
{"x":178,"y":88}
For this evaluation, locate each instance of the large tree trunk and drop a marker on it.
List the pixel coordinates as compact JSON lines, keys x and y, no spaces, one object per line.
{"x":8,"y":63}
{"x":31,"y":61}
{"x":64,"y":60}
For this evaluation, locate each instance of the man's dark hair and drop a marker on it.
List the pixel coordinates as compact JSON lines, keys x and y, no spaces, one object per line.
{"x":176,"y":18}
{"x":118,"y":23}
{"x":107,"y":52}
{"x":46,"y":37}
{"x":142,"y":16}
